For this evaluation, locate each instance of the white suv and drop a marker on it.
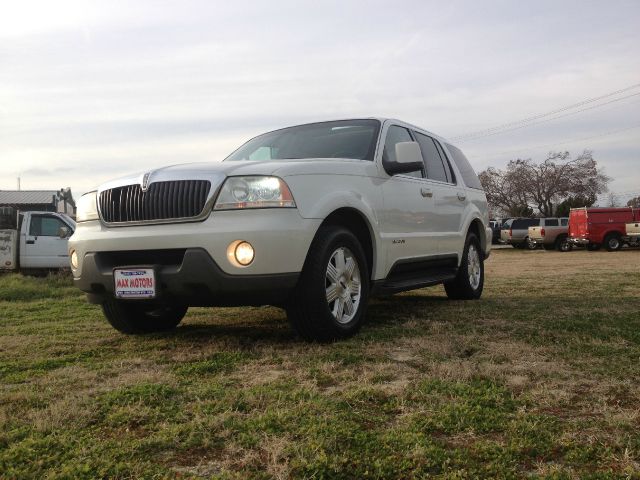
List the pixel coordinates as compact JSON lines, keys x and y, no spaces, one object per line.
{"x":314,"y":218}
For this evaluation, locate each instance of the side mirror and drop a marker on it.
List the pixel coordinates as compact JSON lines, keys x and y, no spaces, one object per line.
{"x":63,"y":232}
{"x":408,"y":159}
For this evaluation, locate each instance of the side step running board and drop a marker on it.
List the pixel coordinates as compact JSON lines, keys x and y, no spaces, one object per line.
{"x":417,"y":274}
{"x":389,"y":287}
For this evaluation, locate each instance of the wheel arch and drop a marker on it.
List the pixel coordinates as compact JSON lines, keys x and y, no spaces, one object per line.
{"x":477,"y":227}
{"x":356,"y":222}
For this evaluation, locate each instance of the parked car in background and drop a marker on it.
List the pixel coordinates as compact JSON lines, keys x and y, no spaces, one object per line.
{"x":597,"y":227}
{"x":313,"y":218}
{"x":496,"y":227}
{"x":504,"y":230}
{"x":516,"y":232}
{"x":552,"y":233}
{"x":633,"y":231}
{"x":36,"y":242}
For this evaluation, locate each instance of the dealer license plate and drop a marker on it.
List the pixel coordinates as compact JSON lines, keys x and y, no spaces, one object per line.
{"x":135,"y":282}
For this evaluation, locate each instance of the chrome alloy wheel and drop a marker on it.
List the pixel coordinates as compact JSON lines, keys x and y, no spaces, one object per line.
{"x":474,"y":268}
{"x":342,"y":283}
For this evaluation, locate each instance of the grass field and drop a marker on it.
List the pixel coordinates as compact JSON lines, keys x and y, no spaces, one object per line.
{"x":541,"y":378}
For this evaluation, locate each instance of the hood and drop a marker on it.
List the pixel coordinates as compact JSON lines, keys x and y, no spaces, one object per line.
{"x":216,"y":172}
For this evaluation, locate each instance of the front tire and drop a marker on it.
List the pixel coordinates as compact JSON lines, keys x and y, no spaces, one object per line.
{"x":330,"y":299}
{"x":142,"y":317}
{"x":529,"y":244}
{"x":469,"y":281}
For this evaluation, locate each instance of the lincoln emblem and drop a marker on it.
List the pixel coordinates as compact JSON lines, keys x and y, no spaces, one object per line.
{"x":145,"y":181}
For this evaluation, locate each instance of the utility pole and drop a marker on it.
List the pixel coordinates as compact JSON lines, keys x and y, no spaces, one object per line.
{"x":18,"y":183}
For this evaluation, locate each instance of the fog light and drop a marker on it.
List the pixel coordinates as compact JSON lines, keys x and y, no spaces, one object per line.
{"x":244,"y":253}
{"x":240,"y":253}
{"x":74,"y":259}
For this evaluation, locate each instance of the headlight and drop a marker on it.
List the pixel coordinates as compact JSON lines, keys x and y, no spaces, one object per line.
{"x":86,"y":208}
{"x":254,"y":192}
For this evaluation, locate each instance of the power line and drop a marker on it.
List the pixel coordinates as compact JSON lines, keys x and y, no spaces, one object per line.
{"x":606,"y":134}
{"x":549,"y":119}
{"x":546,"y":114}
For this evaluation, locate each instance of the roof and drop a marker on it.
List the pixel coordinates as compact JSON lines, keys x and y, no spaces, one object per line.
{"x":27,"y":197}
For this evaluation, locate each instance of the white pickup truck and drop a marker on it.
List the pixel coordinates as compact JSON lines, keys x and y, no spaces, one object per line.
{"x":633,"y":231}
{"x":313,"y":218}
{"x":38,"y":242}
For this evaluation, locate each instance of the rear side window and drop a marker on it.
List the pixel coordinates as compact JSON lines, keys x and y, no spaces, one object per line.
{"x":523,"y":223}
{"x":395,"y":135}
{"x":564,"y":222}
{"x":432,"y":159}
{"x":551,"y":222}
{"x":469,"y":176}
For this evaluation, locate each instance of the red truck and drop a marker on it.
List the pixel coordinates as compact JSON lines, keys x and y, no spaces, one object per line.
{"x":596,"y":227}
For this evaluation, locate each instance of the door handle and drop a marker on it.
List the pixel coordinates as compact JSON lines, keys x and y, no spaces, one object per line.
{"x":462,"y":197}
{"x":425,"y":192}
{"x":30,"y":242}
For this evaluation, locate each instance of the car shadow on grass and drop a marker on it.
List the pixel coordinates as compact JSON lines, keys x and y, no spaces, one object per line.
{"x":270,"y":326}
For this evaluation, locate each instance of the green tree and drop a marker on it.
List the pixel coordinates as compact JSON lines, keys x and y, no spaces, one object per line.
{"x":634,"y":202}
{"x":573,"y":202}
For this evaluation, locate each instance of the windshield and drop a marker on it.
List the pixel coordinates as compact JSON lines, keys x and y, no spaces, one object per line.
{"x":340,"y":139}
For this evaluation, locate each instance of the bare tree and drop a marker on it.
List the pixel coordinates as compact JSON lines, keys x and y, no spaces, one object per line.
{"x":545,"y":184}
{"x":504,"y":190}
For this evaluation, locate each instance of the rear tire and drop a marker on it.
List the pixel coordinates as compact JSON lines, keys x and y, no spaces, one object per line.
{"x":330,"y":300}
{"x":612,"y":242}
{"x":142,"y":317}
{"x":562,"y":244}
{"x":469,"y":281}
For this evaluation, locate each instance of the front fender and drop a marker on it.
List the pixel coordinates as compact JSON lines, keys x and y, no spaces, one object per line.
{"x":318,"y":196}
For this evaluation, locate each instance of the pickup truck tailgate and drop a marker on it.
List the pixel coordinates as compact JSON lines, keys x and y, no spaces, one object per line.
{"x":8,"y":249}
{"x":535,"y":233}
{"x":633,"y":229}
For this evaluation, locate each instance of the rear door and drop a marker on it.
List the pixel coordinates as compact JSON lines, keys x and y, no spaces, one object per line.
{"x":578,"y":223}
{"x":41,"y":246}
{"x":449,"y":199}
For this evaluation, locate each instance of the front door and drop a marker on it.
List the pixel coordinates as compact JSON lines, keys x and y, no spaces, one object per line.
{"x":408,"y":221}
{"x":41,"y":246}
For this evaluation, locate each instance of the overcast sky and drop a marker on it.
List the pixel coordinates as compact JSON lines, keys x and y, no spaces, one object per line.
{"x":94,"y":90}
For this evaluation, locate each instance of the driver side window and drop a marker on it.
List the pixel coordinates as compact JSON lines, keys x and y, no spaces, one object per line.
{"x":395,"y":135}
{"x":44,"y":226}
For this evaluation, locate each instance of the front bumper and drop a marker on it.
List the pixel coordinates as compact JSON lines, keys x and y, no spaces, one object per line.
{"x":188,"y":277}
{"x":202,"y":273}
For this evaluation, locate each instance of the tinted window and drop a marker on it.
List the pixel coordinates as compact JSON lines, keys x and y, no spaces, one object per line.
{"x":564,"y":222}
{"x":469,"y":176}
{"x":45,"y":226}
{"x":431,"y":157}
{"x":447,"y":166}
{"x":355,"y":139}
{"x":395,"y":135}
{"x":522,"y":223}
{"x":551,"y":222}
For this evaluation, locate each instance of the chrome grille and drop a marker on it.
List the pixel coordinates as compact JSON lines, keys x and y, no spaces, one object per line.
{"x":177,"y":199}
